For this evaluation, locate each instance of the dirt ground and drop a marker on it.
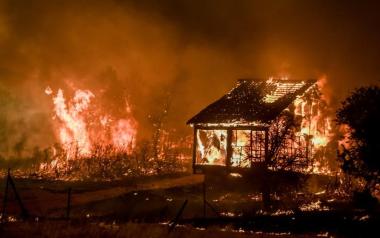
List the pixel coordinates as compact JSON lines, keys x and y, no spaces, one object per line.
{"x":132,"y":230}
{"x":137,"y":206}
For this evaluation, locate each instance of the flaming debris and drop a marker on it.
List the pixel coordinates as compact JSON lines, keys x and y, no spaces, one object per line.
{"x":314,"y":206}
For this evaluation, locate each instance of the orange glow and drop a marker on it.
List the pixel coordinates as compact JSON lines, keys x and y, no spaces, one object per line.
{"x":344,"y":141}
{"x":73,"y":131}
{"x":211,"y":147}
{"x":124,"y":133}
{"x":82,"y":125}
{"x":315,"y":125}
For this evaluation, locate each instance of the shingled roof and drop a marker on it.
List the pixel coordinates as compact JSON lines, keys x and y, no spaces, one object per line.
{"x":253,"y":100}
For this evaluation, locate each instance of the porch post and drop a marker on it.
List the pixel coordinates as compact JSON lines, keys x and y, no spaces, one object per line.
{"x":229,"y":148}
{"x":194,"y":148}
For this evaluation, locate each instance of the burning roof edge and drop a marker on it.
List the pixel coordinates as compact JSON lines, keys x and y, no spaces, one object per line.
{"x":245,"y":103}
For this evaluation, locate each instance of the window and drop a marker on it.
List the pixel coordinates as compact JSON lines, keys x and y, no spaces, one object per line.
{"x":211,"y":147}
{"x":248,"y":147}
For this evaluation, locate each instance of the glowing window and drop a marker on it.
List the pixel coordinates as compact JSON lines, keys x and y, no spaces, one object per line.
{"x":211,"y":147}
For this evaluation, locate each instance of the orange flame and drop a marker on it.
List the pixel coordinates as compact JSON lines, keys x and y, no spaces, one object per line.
{"x":79,"y":132}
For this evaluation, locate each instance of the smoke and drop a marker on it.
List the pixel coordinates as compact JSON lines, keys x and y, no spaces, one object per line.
{"x":142,"y":49}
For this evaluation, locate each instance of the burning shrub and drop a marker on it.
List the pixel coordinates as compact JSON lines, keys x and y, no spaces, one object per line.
{"x":109,"y":162}
{"x":104,"y":161}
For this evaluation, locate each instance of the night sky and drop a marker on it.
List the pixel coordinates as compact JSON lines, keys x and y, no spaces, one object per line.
{"x":142,"y":49}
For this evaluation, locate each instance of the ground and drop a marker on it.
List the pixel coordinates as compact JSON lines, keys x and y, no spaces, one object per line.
{"x":144,"y":207}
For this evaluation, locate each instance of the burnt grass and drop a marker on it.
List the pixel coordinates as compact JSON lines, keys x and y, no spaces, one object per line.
{"x":235,"y":203}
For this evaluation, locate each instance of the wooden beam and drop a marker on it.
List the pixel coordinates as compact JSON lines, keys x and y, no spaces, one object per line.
{"x":266,"y":148}
{"x":229,"y":148}
{"x":237,"y":127}
{"x":194,"y":149}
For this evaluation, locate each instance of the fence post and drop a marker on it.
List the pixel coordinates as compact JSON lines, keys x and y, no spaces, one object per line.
{"x":212,"y":208}
{"x":174,"y":222}
{"x":5,"y":198}
{"x":10,"y":182}
{"x":24,"y":212}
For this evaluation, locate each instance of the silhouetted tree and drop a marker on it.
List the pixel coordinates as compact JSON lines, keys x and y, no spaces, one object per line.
{"x":361,"y":112}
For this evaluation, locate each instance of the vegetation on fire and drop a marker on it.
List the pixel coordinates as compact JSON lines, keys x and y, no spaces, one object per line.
{"x":96,"y":158}
{"x":104,"y":163}
{"x":237,"y":200}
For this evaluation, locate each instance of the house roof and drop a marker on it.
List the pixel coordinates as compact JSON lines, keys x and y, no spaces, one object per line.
{"x":253,"y":100}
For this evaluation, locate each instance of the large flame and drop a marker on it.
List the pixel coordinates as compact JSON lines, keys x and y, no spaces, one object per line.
{"x":316,"y":126}
{"x":82,"y":125}
{"x":315,"y":123}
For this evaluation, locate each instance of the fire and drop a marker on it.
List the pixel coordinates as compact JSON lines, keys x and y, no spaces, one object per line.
{"x":82,"y":125}
{"x":123,"y":133}
{"x":73,"y":130}
{"x":316,"y":126}
{"x":212,"y":146}
{"x":314,"y":123}
{"x":345,"y":131}
{"x":320,"y":141}
{"x":315,"y":130}
{"x":306,"y":144}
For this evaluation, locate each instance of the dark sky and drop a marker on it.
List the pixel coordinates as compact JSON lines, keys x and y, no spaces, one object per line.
{"x":195,"y":49}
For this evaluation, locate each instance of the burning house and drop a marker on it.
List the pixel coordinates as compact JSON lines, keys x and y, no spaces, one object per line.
{"x":275,"y":124}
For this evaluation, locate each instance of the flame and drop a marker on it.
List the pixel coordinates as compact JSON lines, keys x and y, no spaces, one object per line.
{"x":315,"y":126}
{"x":345,"y":140}
{"x":73,"y":130}
{"x":123,"y":133}
{"x":48,"y":90}
{"x":82,"y":125}
{"x":213,"y":149}
{"x":314,"y":123}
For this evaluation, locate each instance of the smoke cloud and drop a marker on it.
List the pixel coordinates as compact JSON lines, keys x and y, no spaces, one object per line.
{"x":194,"y":50}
